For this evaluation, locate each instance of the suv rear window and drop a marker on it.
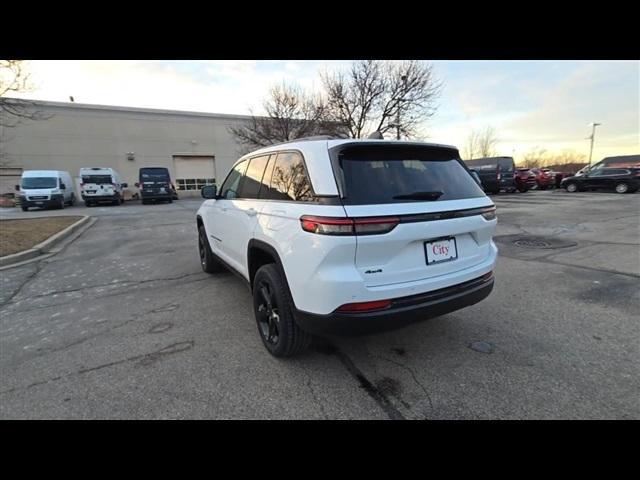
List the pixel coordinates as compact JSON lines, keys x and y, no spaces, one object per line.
{"x":506,"y":164}
{"x":393,"y":175}
{"x":154,"y":174}
{"x":97,"y":179}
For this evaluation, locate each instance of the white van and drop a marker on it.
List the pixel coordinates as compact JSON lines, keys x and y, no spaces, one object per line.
{"x":45,"y":188}
{"x":101,"y":185}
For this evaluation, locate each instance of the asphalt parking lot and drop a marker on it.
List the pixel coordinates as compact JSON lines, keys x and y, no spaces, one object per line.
{"x":124,"y":324}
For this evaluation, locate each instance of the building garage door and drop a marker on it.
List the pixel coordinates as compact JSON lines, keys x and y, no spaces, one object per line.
{"x":9,"y":178}
{"x":194,"y":172}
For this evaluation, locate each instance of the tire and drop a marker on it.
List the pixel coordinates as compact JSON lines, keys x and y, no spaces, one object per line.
{"x":144,"y":202}
{"x":278,"y":330}
{"x":622,"y":187}
{"x":523,"y":189}
{"x":208,"y":262}
{"x":571,"y":187}
{"x":72,"y":202}
{"x":62,"y":204}
{"x":170,"y":200}
{"x":24,"y":209}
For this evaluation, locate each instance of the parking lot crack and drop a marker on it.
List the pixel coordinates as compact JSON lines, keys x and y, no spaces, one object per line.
{"x":145,"y":359}
{"x":374,"y":392}
{"x":413,"y":375}
{"x":35,"y":272}
{"x":125,"y":283}
{"x":314,"y":395}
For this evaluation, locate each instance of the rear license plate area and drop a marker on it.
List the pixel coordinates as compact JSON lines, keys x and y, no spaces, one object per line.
{"x":440,"y":250}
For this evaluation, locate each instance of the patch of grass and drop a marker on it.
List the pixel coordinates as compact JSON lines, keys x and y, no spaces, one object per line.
{"x":23,"y":234}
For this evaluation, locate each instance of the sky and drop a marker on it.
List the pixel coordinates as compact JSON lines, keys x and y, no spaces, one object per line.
{"x":530,"y":104}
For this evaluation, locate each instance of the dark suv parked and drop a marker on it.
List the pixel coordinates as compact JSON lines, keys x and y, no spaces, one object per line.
{"x":155,"y":185}
{"x":496,"y":173}
{"x":622,"y":180}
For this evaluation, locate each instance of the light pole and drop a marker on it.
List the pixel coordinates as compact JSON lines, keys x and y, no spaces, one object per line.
{"x":593,"y":134}
{"x":404,"y":82}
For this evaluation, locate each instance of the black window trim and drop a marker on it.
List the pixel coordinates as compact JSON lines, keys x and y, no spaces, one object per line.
{"x":317,"y":199}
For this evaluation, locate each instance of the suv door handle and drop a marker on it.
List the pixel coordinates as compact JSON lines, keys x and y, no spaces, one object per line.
{"x":251,"y":212}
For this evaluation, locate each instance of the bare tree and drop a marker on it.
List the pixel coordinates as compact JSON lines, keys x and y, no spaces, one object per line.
{"x":372,"y":95}
{"x":15,"y":79}
{"x":566,"y":157}
{"x":487,"y":141}
{"x":470,"y":148}
{"x":534,"y":158}
{"x":481,"y":143}
{"x":290,"y":113}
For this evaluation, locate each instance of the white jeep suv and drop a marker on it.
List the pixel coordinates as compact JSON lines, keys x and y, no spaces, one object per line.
{"x":341,"y":236}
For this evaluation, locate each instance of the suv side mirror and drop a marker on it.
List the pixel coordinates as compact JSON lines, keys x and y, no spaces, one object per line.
{"x":63,"y":186}
{"x":209,"y":191}
{"x":17,"y":188}
{"x":124,"y":185}
{"x":137,"y":184}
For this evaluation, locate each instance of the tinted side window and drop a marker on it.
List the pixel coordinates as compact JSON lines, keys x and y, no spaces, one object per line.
{"x":289,"y":179}
{"x":265,"y":190}
{"x":250,"y":185}
{"x":230,"y":186}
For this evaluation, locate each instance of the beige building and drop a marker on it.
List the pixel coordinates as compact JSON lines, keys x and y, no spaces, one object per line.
{"x":197,"y":148}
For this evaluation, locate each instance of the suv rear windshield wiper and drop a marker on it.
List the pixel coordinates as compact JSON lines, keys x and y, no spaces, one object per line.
{"x":419,"y":196}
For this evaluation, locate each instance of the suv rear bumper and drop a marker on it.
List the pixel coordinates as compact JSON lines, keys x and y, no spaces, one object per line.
{"x":403,"y":311}
{"x":156,"y":196}
{"x":100,"y":198}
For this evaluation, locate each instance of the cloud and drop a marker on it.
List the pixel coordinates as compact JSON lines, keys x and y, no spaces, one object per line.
{"x":530,"y":103}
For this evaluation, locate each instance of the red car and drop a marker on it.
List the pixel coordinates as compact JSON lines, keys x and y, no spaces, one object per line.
{"x":525,"y":179}
{"x":544,"y":178}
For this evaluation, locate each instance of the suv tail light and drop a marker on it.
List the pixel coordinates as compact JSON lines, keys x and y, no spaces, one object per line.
{"x":489,"y":213}
{"x":348,"y":226}
{"x":498,"y":175}
{"x":364,"y":306}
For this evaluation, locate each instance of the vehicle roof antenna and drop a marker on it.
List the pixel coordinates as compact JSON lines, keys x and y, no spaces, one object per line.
{"x":376,"y":136}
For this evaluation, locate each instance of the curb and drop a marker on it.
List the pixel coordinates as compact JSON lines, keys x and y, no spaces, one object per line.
{"x":43,"y":247}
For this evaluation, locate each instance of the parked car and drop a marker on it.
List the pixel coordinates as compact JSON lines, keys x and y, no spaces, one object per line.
{"x":621,"y":180}
{"x":551,"y":175}
{"x":101,"y":185}
{"x":543,"y":178}
{"x":496,"y":173}
{"x":621,"y":161}
{"x":525,"y":179}
{"x":558,"y":176}
{"x":45,"y":188}
{"x":343,"y":236}
{"x":155,"y":185}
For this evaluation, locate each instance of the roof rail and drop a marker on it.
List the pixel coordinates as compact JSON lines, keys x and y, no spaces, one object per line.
{"x":315,"y":137}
